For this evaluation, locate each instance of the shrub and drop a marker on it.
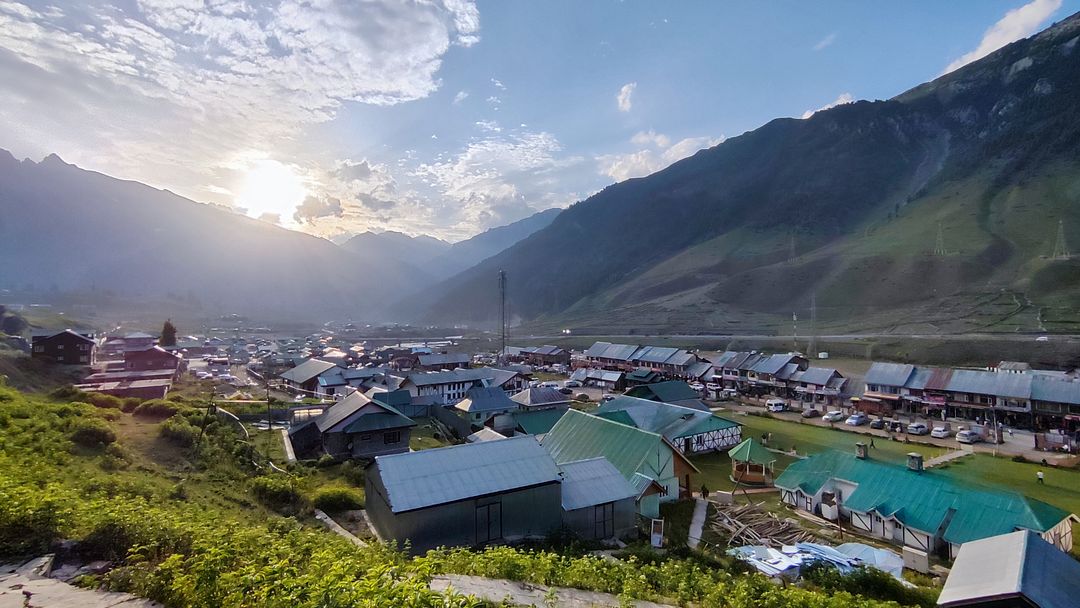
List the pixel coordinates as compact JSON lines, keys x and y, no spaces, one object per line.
{"x":1019,"y":458}
{"x":105,"y":401}
{"x":92,"y":433}
{"x":353,"y":472}
{"x":279,"y":492}
{"x":326,"y":460}
{"x":339,"y":498}
{"x":868,"y":582}
{"x":179,"y":431}
{"x":157,"y":408}
{"x":67,"y":393}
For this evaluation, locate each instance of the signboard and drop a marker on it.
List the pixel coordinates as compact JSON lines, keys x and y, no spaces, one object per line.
{"x":657,"y":535}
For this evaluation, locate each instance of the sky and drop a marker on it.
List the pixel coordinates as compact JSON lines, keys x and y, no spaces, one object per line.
{"x":447,"y":117}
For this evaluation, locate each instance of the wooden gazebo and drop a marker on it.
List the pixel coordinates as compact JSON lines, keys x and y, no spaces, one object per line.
{"x":751,"y":463}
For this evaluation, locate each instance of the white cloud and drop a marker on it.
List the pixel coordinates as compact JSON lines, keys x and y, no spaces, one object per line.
{"x":825,"y":42}
{"x":1016,"y":24}
{"x":498,"y":84}
{"x":844,"y":98}
{"x":177,"y":90}
{"x":489,"y":125}
{"x":460,"y":97}
{"x":657,"y":153}
{"x":623,"y":98}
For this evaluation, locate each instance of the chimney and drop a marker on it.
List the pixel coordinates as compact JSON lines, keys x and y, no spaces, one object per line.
{"x":860,"y":450}
{"x":914,"y":462}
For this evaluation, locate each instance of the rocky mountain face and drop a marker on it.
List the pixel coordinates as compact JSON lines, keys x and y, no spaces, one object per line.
{"x":933,"y":211}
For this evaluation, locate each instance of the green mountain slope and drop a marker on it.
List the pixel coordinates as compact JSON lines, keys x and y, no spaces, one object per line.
{"x":845,"y":206}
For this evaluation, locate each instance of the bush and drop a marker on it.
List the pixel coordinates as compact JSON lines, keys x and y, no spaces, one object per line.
{"x":868,"y":582}
{"x":325,"y":461}
{"x":179,"y":431}
{"x":279,"y":492}
{"x":353,"y":472}
{"x":335,"y":499}
{"x":105,"y":401}
{"x":92,"y":433}
{"x":157,"y":408}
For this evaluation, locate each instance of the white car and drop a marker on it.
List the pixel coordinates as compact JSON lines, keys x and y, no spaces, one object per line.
{"x":834,"y":416}
{"x":940,"y":432}
{"x":857,"y":419}
{"x":776,"y":405}
{"x":917,"y":428}
{"x":967,"y":436}
{"x":572,"y":384}
{"x":697,"y":386}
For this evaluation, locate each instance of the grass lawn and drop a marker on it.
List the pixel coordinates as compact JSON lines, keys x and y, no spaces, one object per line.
{"x":425,"y":435}
{"x":716,"y":470}
{"x":1062,"y":487}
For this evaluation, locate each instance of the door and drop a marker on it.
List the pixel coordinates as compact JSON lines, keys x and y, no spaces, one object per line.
{"x":488,"y":523}
{"x":604,"y":520}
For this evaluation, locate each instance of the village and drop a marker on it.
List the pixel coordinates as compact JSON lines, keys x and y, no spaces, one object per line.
{"x":778,"y":458}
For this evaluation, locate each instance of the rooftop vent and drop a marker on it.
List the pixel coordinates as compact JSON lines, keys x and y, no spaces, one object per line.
{"x":860,"y":450}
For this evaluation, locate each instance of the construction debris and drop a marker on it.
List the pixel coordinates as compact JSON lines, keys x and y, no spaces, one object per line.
{"x":749,"y":524}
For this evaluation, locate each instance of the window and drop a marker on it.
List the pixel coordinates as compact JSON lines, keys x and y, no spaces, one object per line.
{"x":365,"y":436}
{"x":391,"y":437}
{"x":39,"y":348}
{"x":59,"y":347}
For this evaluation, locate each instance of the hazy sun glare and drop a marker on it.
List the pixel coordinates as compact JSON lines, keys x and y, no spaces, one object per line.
{"x":271,"y":187}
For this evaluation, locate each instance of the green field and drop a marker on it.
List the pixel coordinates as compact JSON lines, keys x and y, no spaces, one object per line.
{"x":1062,"y":487}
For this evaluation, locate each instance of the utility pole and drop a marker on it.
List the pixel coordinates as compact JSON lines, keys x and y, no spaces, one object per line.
{"x":794,"y":332}
{"x":502,"y":314}
{"x":812,"y":348}
{"x":791,"y":249}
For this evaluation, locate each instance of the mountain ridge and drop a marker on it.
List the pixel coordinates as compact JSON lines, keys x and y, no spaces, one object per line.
{"x":748,"y":231}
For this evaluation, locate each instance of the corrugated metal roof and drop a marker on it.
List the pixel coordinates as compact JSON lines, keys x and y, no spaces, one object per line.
{"x":818,"y":376}
{"x":671,"y":421}
{"x":655,"y":354}
{"x":577,"y":436}
{"x":889,"y":374}
{"x":486,"y":399}
{"x":700,"y":369}
{"x":416,"y":480}
{"x":341,"y":410}
{"x":457,"y":375}
{"x":380,"y":421}
{"x":1010,"y":565}
{"x":307,"y":370}
{"x":990,"y":383}
{"x":752,"y":452}
{"x":443,"y":359}
{"x":772,"y":364}
{"x":922,"y":501}
{"x":538,"y":423}
{"x":1046,"y":388}
{"x":538,"y":396}
{"x":668,"y":392}
{"x":591,"y":482}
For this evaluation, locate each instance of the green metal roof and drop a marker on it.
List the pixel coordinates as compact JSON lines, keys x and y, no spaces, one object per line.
{"x":672,"y":390}
{"x":670,"y":420}
{"x":578,"y":436}
{"x":538,"y":423}
{"x":379,"y":422}
{"x":923,"y":501}
{"x":620,"y":416}
{"x":752,"y":452}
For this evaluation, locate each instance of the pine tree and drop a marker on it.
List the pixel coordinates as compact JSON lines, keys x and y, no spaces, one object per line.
{"x":168,"y":334}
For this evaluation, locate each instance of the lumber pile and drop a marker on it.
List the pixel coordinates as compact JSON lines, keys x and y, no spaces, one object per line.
{"x":749,"y":524}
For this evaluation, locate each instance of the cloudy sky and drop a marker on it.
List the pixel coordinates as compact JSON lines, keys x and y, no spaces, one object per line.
{"x":447,"y":117}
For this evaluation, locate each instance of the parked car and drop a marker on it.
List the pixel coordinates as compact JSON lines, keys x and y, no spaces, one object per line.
{"x":834,"y":416}
{"x":712,"y":386}
{"x":917,"y":428}
{"x":776,"y":405}
{"x":697,"y":386}
{"x":572,"y":384}
{"x":566,"y":390}
{"x":968,"y":436}
{"x":811,"y":413}
{"x":608,"y":398}
{"x":729,"y":393}
{"x":581,"y":397}
{"x":857,"y":419}
{"x":877,"y":423}
{"x":894,"y":426}
{"x":940,"y":432}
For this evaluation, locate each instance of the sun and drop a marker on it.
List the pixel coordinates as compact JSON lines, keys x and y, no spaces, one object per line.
{"x":271,"y":187}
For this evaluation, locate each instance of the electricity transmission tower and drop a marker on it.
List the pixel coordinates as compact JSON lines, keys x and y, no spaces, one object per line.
{"x":939,"y":246}
{"x":503,"y":321}
{"x":791,"y":250}
{"x":1061,"y":251}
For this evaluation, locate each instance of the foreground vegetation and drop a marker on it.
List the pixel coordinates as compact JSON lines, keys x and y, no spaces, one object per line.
{"x":189,"y":517}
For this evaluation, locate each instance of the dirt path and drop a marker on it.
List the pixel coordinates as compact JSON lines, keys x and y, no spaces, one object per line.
{"x":526,"y":594}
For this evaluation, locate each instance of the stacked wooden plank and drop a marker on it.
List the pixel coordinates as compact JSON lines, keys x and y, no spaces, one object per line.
{"x":749,"y":524}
